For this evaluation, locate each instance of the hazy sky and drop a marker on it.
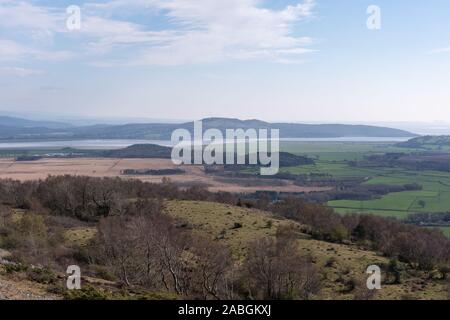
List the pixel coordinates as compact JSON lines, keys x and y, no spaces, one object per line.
{"x":290,"y":60}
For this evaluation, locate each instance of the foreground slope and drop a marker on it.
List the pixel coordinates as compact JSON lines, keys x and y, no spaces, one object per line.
{"x":343,"y":264}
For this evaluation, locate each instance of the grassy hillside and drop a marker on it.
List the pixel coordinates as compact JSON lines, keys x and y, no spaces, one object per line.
{"x":234,"y":225}
{"x":348,"y":261}
{"x":341,"y":264}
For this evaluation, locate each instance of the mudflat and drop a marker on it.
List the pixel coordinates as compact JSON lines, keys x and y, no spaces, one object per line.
{"x":106,"y":167}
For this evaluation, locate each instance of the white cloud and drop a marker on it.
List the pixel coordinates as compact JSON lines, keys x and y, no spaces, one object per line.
{"x":195,"y":31}
{"x":19,"y":72}
{"x":24,"y":15}
{"x":289,"y":61}
{"x":441,"y":50}
{"x":13,"y":51}
{"x":204,"y":31}
{"x":10,"y":50}
{"x":104,"y":35}
{"x":35,"y":27}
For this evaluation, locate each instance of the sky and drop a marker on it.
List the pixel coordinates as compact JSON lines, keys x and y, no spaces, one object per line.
{"x":278,"y":60}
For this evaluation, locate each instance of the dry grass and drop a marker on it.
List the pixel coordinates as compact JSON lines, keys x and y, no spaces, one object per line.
{"x":22,"y":289}
{"x":80,"y":236}
{"x":217,"y":221}
{"x":105,"y":167}
{"x":236,"y":227}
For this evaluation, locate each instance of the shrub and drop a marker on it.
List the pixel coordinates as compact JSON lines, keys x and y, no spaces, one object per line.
{"x":13,"y":268}
{"x":330,"y":263}
{"x":44,"y":275}
{"x":237,"y":225}
{"x":103,"y":273}
{"x":88,"y":293}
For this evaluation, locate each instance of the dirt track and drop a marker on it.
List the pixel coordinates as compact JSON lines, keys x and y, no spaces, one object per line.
{"x":101,"y":167}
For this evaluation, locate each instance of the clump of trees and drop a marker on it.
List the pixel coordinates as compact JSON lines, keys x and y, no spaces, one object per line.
{"x":153,"y":172}
{"x":442,"y":218}
{"x":421,"y":247}
{"x":31,"y":240}
{"x":149,"y":251}
{"x":352,"y":189}
{"x":321,"y":222}
{"x":275,"y":270}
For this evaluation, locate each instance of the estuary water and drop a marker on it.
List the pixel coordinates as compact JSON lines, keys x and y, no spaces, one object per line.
{"x":118,"y":144}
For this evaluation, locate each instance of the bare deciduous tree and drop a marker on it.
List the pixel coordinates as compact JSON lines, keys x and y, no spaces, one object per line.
{"x":212,"y":264}
{"x":279,"y":272}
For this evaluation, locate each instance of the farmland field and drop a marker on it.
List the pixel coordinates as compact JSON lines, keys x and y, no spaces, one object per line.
{"x":331,"y":158}
{"x":435,"y":197}
{"x":110,"y":167}
{"x":339,"y":151}
{"x":446,"y":231}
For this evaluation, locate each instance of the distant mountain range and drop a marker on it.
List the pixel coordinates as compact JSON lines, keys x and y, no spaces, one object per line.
{"x":25,"y":123}
{"x":12,"y":128}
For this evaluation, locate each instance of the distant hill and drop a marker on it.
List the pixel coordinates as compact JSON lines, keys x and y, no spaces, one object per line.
{"x":297,"y":130}
{"x":156,"y":151}
{"x":25,"y":123}
{"x":163,"y":131}
{"x":427,"y":142}
{"x":14,"y":133}
{"x":12,"y":128}
{"x":16,"y":128}
{"x":338,"y":131}
{"x":140,"y":151}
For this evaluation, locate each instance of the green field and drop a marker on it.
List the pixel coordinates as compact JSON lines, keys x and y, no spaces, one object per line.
{"x":339,"y":151}
{"x":435,"y":196}
{"x":446,"y":231}
{"x":331,"y":159}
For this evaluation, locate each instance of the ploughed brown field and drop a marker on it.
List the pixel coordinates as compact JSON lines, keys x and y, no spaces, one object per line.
{"x":102,"y":167}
